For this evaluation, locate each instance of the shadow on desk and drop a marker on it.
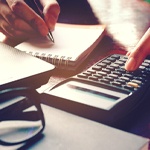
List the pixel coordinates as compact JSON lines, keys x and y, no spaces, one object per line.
{"x":66,"y":131}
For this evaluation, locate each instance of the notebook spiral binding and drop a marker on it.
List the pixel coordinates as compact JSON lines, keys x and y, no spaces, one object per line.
{"x":53,"y":59}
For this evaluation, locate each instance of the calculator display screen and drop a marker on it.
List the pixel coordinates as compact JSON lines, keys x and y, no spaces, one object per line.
{"x":88,"y":94}
{"x":92,"y":93}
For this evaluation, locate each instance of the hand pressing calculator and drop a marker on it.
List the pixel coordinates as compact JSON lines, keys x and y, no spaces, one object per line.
{"x":105,"y":92}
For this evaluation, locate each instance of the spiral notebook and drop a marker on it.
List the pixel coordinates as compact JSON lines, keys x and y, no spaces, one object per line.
{"x":73,"y":43}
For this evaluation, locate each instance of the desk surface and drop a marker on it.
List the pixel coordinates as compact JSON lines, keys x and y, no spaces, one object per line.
{"x":65,"y":131}
{"x":126,"y":22}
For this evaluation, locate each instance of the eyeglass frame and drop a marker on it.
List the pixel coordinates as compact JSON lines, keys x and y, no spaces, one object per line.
{"x":34,"y":97}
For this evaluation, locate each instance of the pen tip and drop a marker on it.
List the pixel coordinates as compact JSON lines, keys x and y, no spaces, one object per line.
{"x":51,"y":37}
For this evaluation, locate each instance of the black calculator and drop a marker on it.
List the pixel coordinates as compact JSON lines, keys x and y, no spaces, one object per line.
{"x":105,"y":92}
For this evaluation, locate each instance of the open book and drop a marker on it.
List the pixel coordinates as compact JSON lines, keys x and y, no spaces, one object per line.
{"x":73,"y":43}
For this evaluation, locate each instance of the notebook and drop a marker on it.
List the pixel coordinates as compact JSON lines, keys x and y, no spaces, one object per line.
{"x":20,"y":69}
{"x":73,"y":43}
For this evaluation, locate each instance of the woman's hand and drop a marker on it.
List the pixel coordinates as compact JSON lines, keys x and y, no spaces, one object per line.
{"x":141,"y":51}
{"x":11,"y":25}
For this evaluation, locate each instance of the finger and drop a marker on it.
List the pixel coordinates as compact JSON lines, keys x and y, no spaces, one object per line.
{"x":21,"y":25}
{"x":51,"y":12}
{"x":10,"y":32}
{"x":20,"y":8}
{"x":22,"y":36}
{"x":13,"y":41}
{"x":5,"y":33}
{"x":6,"y":13}
{"x":135,"y":59}
{"x":128,"y":53}
{"x":5,"y":27}
{"x":13,"y":20}
{"x":137,"y":56}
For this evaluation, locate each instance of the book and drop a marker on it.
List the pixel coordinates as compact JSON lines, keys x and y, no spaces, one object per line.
{"x":73,"y":44}
{"x":20,"y":69}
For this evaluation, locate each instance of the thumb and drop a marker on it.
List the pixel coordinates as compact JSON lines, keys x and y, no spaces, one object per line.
{"x":51,"y":12}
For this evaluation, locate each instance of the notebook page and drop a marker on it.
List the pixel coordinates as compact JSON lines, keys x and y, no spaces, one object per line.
{"x":70,"y":40}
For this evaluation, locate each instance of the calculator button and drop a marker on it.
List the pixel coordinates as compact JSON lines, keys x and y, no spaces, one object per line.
{"x":123,"y":67}
{"x":121,"y":70}
{"x":107,"y":62}
{"x":129,"y":87}
{"x":125,"y":78}
{"x":148,"y":70}
{"x":110,"y":68}
{"x":93,"y":78}
{"x":123,"y":60}
{"x":111,"y":59}
{"x":137,"y":81}
{"x":87,"y":73}
{"x":114,"y":65}
{"x":121,"y":81}
{"x":142,"y":67}
{"x":144,"y":76}
{"x":135,"y":85}
{"x":102,"y":64}
{"x":106,"y":70}
{"x":82,"y":76}
{"x":115,"y":56}
{"x":148,"y":74}
{"x":140,"y":79}
{"x":147,"y":61}
{"x":102,"y":73}
{"x":145,"y":64}
{"x":124,"y":57}
{"x":119,"y":63}
{"x":91,"y":71}
{"x":113,"y":76}
{"x":117,"y":73}
{"x":104,"y":81}
{"x":109,"y":78}
{"x":97,"y":68}
{"x":116,"y":83}
{"x":98,"y":75}
{"x":128,"y":75}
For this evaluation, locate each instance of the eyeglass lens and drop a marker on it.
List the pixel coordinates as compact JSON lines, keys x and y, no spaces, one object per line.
{"x":19,"y":120}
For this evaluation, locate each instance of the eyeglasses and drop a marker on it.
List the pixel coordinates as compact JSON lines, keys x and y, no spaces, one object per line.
{"x":21,"y":116}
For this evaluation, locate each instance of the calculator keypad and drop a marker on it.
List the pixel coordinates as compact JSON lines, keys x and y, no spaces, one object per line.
{"x":110,"y":71}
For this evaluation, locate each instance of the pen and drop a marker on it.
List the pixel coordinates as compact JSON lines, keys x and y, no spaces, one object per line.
{"x":39,"y":9}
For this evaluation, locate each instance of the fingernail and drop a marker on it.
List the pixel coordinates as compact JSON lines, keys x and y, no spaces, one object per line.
{"x":130,"y":64}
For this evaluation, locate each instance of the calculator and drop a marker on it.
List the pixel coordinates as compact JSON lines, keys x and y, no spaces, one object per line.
{"x":105,"y":92}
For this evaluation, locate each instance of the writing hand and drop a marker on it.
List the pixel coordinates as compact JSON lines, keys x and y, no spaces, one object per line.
{"x":137,"y":56}
{"x":11,"y":25}
{"x":51,"y":11}
{"x":18,"y":20}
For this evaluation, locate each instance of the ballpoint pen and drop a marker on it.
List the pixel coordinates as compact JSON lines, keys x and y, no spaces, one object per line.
{"x":38,"y":9}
